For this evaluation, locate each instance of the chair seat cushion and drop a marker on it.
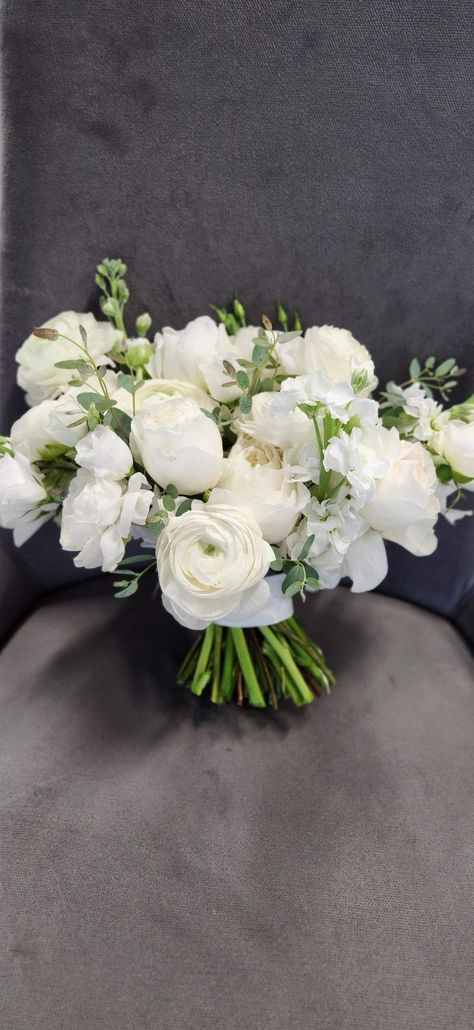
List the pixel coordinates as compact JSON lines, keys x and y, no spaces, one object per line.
{"x":167,"y":864}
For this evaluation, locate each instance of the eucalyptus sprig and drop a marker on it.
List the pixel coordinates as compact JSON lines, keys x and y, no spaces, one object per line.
{"x":298,"y":574}
{"x":110,"y":278}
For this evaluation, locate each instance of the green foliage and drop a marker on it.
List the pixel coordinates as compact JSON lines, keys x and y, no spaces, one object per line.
{"x":110,"y":279}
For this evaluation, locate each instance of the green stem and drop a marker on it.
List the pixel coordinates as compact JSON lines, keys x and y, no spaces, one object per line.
{"x":290,"y":666}
{"x":202,"y":674}
{"x":216,"y":675}
{"x":228,"y":675}
{"x":256,"y":698}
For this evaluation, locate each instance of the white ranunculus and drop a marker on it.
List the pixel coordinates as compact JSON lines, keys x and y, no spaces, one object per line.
{"x":180,"y":353}
{"x":22,"y":498}
{"x":268,"y":424}
{"x":253,"y":478}
{"x":404,"y":506}
{"x":104,"y":453}
{"x":97,"y":515}
{"x":455,"y":443}
{"x":37,"y":358}
{"x":209,"y":560}
{"x":177,"y":443}
{"x":332,"y":351}
{"x":152,"y":391}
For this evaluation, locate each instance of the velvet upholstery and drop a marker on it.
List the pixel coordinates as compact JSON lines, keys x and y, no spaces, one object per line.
{"x":167,"y":864}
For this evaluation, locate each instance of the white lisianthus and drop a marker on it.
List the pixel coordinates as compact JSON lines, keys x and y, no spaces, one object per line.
{"x":23,"y":500}
{"x":152,"y":391}
{"x":209,"y":560}
{"x":181,"y":353}
{"x":404,"y":507}
{"x":332,"y":351}
{"x":37,"y":358}
{"x":177,"y":443}
{"x":455,"y":443}
{"x":104,"y":453}
{"x":97,"y":516}
{"x":269,"y":424}
{"x":253,"y":478}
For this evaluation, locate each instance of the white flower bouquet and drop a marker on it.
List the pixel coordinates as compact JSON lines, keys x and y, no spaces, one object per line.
{"x":251,"y":465}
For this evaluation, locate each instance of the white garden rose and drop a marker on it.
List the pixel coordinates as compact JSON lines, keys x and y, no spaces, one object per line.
{"x":269,"y":424}
{"x":23,"y":500}
{"x":455,"y":443}
{"x":177,"y":443}
{"x":181,"y":353}
{"x":253,"y":477}
{"x":404,"y":507}
{"x":330,"y":350}
{"x":97,"y":516}
{"x":229,"y":348}
{"x":152,"y":391}
{"x":104,"y":453}
{"x":209,"y":561}
{"x":37,"y":358}
{"x":49,"y":422}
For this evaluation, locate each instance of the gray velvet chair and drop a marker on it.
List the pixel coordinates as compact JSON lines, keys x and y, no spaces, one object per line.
{"x":162,"y":863}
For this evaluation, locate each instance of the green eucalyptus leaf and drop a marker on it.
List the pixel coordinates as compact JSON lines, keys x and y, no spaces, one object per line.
{"x":306,"y":548}
{"x":445,"y":367}
{"x":245,"y":404}
{"x":130,"y":589}
{"x":242,"y":380}
{"x":415,"y":368}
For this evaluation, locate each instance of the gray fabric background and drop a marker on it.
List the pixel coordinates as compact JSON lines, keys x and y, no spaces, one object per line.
{"x":168,"y":865}
{"x":317,"y":152}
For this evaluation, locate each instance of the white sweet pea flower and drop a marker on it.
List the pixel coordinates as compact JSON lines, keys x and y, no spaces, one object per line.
{"x":316,"y":388}
{"x":253,"y":478}
{"x":404,"y":507}
{"x":177,"y":443}
{"x":210,"y":560}
{"x":97,"y":516}
{"x":104,"y":453}
{"x":335,"y":352}
{"x":270,"y":423}
{"x":23,"y":501}
{"x":455,"y":443}
{"x":37,"y":358}
{"x":181,"y":353}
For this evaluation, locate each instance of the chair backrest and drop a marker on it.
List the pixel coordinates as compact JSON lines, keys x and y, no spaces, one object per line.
{"x":317,"y":153}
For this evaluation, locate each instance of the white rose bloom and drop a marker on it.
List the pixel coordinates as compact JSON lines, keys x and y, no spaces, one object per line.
{"x":455,"y":443}
{"x":104,"y":453}
{"x":21,"y":498}
{"x":177,"y":443}
{"x":153,"y":391}
{"x":37,"y":358}
{"x":253,"y":478}
{"x":180,"y":353}
{"x":404,"y":507}
{"x":30,"y":432}
{"x":97,"y":515}
{"x":267,"y":422}
{"x":209,"y":561}
{"x":332,"y":351}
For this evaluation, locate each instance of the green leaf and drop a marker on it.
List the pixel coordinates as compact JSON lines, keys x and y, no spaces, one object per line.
{"x":277,"y":564}
{"x":83,"y":335}
{"x":260,"y":353}
{"x":293,"y":581}
{"x":76,"y":363}
{"x":445,"y":367}
{"x":415,"y":368}
{"x":133,"y":559}
{"x":306,"y":548}
{"x":229,"y":368}
{"x":244,"y":363}
{"x":311,"y":581}
{"x":171,"y":490}
{"x":130,"y":589}
{"x":444,"y":473}
{"x":287,"y":337}
{"x":184,"y":506}
{"x":245,"y":403}
{"x":126,"y":381}
{"x":242,"y":380}
{"x":266,"y":386}
{"x":168,"y":502}
{"x":101,"y":403}
{"x":430,"y":362}
{"x":124,"y":420}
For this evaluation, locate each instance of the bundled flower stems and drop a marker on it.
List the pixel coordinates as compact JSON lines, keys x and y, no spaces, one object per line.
{"x":240,"y":465}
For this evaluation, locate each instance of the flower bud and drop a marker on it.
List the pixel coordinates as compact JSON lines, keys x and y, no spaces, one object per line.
{"x":44,"y":333}
{"x":139,"y":354}
{"x":143,"y":323}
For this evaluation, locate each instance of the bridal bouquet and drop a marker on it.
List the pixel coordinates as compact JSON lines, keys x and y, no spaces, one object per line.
{"x":241,"y":465}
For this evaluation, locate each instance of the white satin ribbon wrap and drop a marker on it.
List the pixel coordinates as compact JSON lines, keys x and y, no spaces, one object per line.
{"x":263,"y":606}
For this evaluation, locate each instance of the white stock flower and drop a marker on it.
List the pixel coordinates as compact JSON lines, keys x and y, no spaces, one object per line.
{"x":104,"y":453}
{"x":404,"y":507}
{"x":332,"y":351}
{"x":356,"y":456}
{"x":342,"y":546}
{"x":455,"y":443}
{"x":301,"y":462}
{"x":209,"y":561}
{"x":253,"y":478}
{"x":424,"y":410}
{"x":37,"y":358}
{"x":316,"y":388}
{"x":97,"y":516}
{"x":268,"y":423}
{"x":22,"y":498}
{"x":177,"y":443}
